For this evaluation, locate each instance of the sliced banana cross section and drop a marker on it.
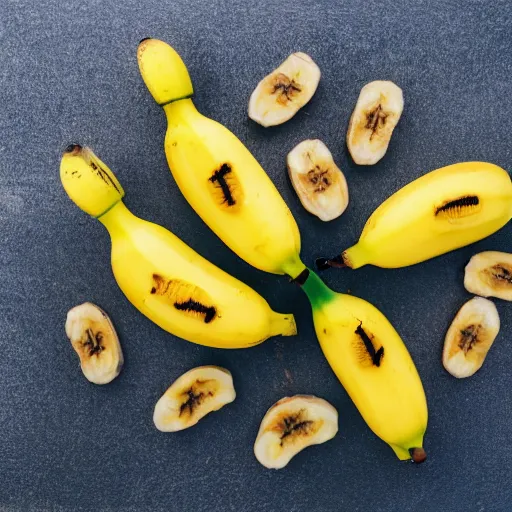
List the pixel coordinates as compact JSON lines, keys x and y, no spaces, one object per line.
{"x":489,"y":274}
{"x":282,"y":93}
{"x":192,"y":396}
{"x":470,"y":337}
{"x":377,"y":112}
{"x":292,"y":424}
{"x":95,"y":341}
{"x":319,"y":183}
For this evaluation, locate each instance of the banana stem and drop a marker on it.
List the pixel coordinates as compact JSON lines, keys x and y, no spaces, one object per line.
{"x":282,"y":325}
{"x":317,"y":291}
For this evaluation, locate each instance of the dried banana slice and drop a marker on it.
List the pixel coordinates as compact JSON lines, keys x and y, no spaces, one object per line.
{"x":377,"y":112}
{"x":282,"y":93}
{"x":192,"y":396}
{"x":319,"y":183}
{"x":489,"y":274}
{"x":470,"y":337}
{"x":292,"y":424}
{"x":95,"y":341}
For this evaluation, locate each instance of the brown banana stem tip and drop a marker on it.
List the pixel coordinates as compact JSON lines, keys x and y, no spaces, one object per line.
{"x":301,"y":278}
{"x":73,"y":149}
{"x":324,"y":263}
{"x":418,"y":455}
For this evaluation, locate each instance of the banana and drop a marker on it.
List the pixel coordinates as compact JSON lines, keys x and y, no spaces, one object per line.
{"x":319,"y":183}
{"x":192,"y":396}
{"x":282,"y":93}
{"x":377,"y":112}
{"x":470,"y":337}
{"x":216,"y":173}
{"x":489,"y":274}
{"x":443,"y":210}
{"x":373,"y":364}
{"x":292,"y":424}
{"x":164,"y":278}
{"x":94,"y":339}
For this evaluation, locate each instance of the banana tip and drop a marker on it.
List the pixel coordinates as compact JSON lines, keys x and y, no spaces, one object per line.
{"x":418,"y":455}
{"x":324,"y":263}
{"x":73,"y":149}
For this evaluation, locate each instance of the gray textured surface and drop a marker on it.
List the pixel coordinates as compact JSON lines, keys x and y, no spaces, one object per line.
{"x":69,"y":73}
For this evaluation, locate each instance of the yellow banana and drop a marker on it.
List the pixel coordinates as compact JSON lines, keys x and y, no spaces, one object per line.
{"x":443,"y":210}
{"x":164,"y":278}
{"x":373,"y":364}
{"x":217,"y":174}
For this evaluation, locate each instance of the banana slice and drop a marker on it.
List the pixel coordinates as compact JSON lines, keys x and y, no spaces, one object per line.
{"x":192,"y":396}
{"x":95,"y":341}
{"x":282,"y":93}
{"x":319,"y":183}
{"x":489,"y":274}
{"x":470,"y":337}
{"x":292,"y":424}
{"x":377,"y":112}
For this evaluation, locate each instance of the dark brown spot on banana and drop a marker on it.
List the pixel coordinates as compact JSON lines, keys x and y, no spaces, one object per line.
{"x":459,"y":208}
{"x":418,"y":455}
{"x":501,"y":273}
{"x":295,"y":425}
{"x":104,"y":175}
{"x":195,"y":396}
{"x":375,"y":119}
{"x":93,"y":342}
{"x":184,"y":297}
{"x":469,"y":337}
{"x":285,"y":88}
{"x":375,"y":355}
{"x":226,"y":187}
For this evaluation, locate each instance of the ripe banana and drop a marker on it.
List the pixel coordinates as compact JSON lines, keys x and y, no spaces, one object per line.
{"x":192,"y":396}
{"x":164,"y":278}
{"x":470,"y":337}
{"x":377,"y":112}
{"x":95,"y":340}
{"x":282,"y":93}
{"x":292,"y":424}
{"x":216,"y":173}
{"x":443,"y":210}
{"x":318,"y":181}
{"x":373,"y":364}
{"x":489,"y":274}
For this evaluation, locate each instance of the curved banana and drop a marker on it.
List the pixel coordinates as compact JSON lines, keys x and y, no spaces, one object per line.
{"x":164,"y":278}
{"x":443,"y":210}
{"x":217,"y":174}
{"x":373,"y":364}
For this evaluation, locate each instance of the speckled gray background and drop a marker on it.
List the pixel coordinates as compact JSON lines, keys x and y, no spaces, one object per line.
{"x":68,"y":73}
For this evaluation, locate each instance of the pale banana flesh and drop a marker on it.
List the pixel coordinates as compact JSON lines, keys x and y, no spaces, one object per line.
{"x":192,"y":396}
{"x":443,"y":210}
{"x":219,"y":177}
{"x":292,"y":424}
{"x":318,"y":181}
{"x":282,"y":93}
{"x":164,"y":278}
{"x":470,"y":337}
{"x":373,"y":364}
{"x":375,"y":116}
{"x":489,"y":274}
{"x":95,"y":340}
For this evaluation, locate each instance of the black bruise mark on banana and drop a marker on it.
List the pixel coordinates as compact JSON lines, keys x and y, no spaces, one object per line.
{"x":286,"y":87}
{"x":469,"y":337}
{"x":376,"y":356}
{"x":225,"y":181}
{"x":93,"y":342}
{"x":176,"y":291}
{"x":104,"y":175}
{"x":293,"y":425}
{"x":500,"y":273}
{"x":459,"y":208}
{"x":193,"y":399}
{"x":375,"y":120}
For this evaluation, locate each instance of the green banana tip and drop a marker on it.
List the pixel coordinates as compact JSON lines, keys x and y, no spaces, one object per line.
{"x":73,"y":148}
{"x":418,"y":455}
